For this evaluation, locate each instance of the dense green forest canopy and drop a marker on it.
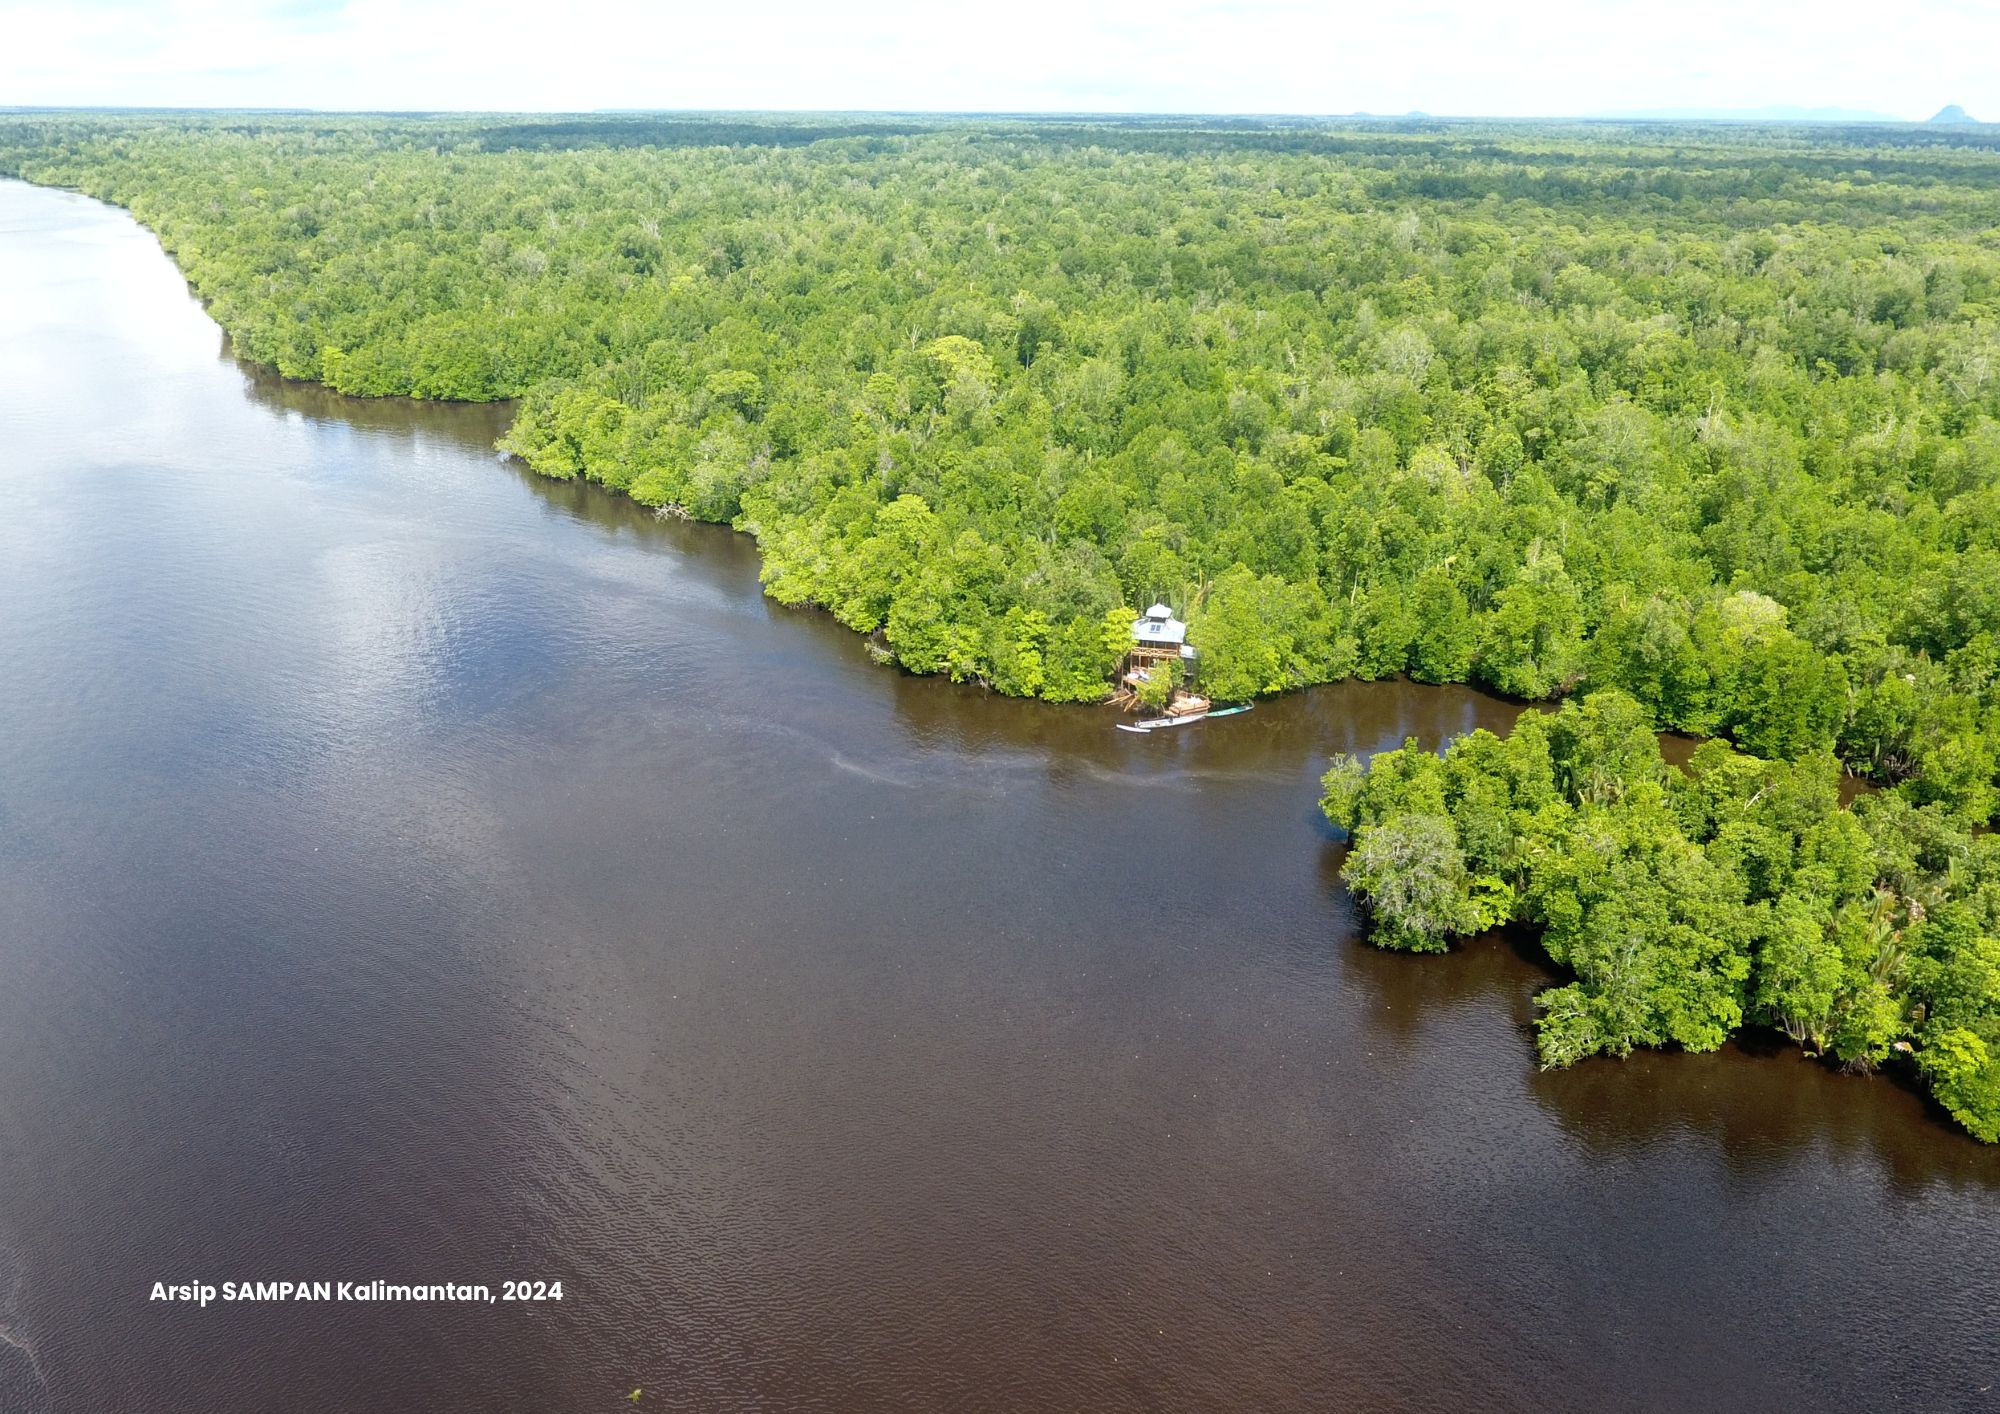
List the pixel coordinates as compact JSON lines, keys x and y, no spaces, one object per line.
{"x":1696,"y":427}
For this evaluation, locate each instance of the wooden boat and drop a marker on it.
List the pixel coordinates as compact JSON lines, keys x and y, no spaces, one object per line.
{"x":1153,"y":724}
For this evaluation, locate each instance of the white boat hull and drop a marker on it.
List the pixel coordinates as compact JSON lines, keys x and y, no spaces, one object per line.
{"x":1153,"y":724}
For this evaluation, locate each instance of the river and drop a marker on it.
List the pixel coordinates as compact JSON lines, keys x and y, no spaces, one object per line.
{"x":414,"y":870}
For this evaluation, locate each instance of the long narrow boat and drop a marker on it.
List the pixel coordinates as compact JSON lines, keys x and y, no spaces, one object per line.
{"x":1153,"y":724}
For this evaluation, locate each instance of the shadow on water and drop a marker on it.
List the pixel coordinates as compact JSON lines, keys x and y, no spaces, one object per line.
{"x":1763,"y":1102}
{"x":471,"y":426}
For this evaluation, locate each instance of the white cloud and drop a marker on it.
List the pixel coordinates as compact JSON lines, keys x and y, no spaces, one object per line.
{"x":1445,"y":56}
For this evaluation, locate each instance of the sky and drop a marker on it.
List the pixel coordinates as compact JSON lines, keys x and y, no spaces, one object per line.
{"x":1445,"y":57}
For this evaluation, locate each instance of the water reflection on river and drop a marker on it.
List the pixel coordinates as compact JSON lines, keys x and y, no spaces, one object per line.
{"x":415,"y":870}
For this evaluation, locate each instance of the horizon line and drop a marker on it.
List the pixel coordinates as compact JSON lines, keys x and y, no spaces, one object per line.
{"x":1860,"y":118}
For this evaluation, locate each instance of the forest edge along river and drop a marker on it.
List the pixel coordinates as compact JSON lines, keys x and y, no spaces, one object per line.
{"x":416,"y":870}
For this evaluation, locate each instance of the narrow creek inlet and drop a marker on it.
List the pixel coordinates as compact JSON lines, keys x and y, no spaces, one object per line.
{"x":412,"y":870}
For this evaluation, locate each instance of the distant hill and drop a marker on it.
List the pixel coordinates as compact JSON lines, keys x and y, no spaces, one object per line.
{"x":1952,"y":113}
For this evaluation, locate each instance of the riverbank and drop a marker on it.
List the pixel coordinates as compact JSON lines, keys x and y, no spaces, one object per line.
{"x":1689,"y":904}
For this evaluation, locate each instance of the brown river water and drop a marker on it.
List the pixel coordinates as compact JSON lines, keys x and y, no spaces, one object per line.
{"x":414,"y":871}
